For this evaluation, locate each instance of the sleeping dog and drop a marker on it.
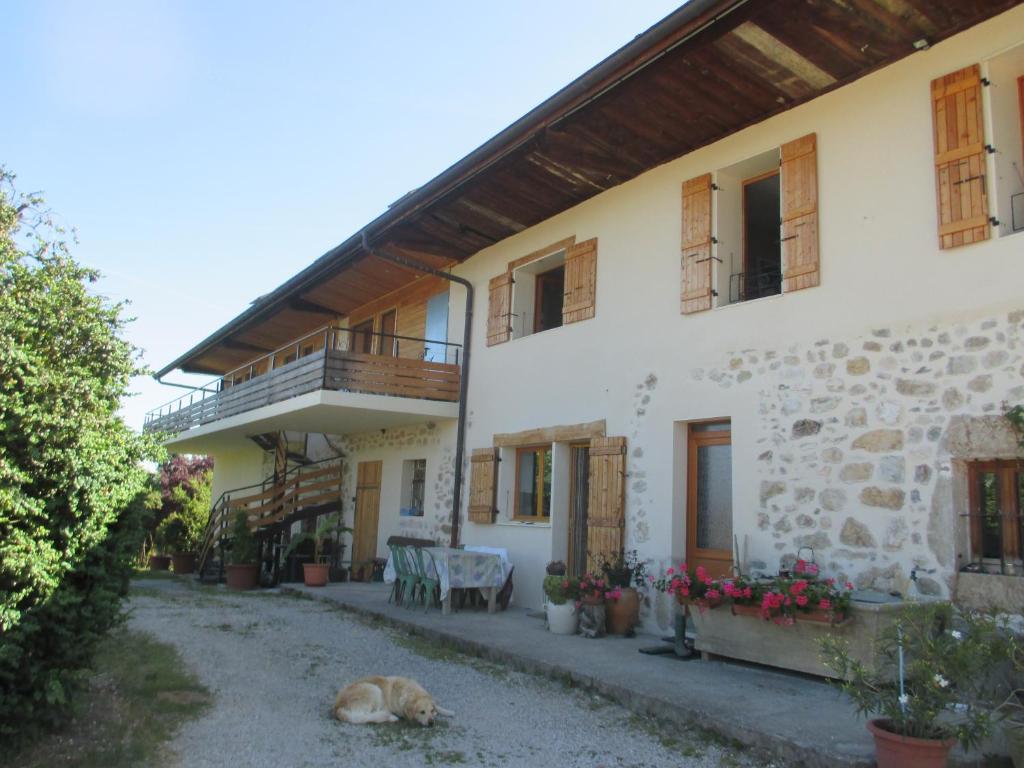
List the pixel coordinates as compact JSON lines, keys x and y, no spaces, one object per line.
{"x":385,"y":700}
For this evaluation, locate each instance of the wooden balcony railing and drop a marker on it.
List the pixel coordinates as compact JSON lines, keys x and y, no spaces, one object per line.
{"x":316,"y":362}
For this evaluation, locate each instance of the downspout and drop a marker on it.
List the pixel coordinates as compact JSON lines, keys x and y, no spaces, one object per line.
{"x":460,"y":437}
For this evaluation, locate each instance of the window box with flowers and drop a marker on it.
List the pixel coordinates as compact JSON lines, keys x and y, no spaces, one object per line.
{"x":776,"y":622}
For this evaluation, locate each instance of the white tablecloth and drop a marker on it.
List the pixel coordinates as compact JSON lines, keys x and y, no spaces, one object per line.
{"x":467,"y":571}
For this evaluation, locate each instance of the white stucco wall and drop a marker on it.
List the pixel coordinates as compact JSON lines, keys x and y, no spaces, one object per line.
{"x":646,"y":368}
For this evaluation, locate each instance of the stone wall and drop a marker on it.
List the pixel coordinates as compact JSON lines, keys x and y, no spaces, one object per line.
{"x":858,"y":442}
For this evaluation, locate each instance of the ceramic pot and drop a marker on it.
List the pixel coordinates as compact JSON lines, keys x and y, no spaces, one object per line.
{"x":895,"y":751}
{"x":184,"y":563}
{"x":623,"y":614}
{"x":315,"y":574}
{"x":159,"y":562}
{"x":245,"y":576}
{"x":562,"y":619}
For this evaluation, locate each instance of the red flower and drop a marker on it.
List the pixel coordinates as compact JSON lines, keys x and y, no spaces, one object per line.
{"x":801,"y":600}
{"x":670,"y":571}
{"x":702,"y":574}
{"x":849,"y":585}
{"x":748,"y":592}
{"x":825,"y":605}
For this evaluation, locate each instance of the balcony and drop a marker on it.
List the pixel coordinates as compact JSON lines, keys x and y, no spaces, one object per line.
{"x":319,"y":371}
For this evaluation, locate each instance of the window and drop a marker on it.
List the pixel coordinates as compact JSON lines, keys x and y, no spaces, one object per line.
{"x":1005,"y":95}
{"x":533,"y":484}
{"x":538,"y":289}
{"x":750,"y":230}
{"x":996,"y":497}
{"x":362,"y":337}
{"x":414,"y":481}
{"x":434,"y":349}
{"x":749,"y":215}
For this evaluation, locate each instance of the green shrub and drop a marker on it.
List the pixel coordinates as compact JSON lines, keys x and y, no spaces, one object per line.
{"x":71,"y":472}
{"x":243,"y":543}
{"x":561,"y":589}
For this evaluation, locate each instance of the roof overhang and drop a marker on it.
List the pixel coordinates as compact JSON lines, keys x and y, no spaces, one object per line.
{"x":711,"y":68}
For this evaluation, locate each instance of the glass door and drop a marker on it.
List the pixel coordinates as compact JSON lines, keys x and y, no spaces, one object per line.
{"x":709,"y":498}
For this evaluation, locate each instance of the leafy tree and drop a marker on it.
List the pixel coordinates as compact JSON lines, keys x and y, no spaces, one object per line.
{"x":72,"y":479}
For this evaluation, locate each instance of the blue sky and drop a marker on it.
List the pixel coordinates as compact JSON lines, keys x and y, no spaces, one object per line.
{"x":206,"y":151}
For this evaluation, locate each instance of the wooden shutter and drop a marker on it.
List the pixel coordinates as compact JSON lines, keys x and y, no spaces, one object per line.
{"x":580,"y":282}
{"x":696,"y":289}
{"x":606,"y":505}
{"x":483,"y":485}
{"x":799,"y":189}
{"x":960,"y":158}
{"x":499,"y":309}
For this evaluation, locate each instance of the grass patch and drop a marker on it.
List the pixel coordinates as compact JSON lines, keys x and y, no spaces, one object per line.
{"x":137,"y":696}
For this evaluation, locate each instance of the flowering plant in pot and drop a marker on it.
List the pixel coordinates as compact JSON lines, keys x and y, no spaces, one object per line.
{"x":784,"y":600}
{"x":242,"y":570}
{"x":623,"y":572}
{"x":930,"y":687}
{"x":561,"y":592}
{"x":696,"y":588}
{"x":315,"y":574}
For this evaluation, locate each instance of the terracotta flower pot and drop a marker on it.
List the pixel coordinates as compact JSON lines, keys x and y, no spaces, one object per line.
{"x":895,"y":751}
{"x":184,"y":563}
{"x":315,"y":574}
{"x":623,"y":614}
{"x":245,"y":576}
{"x":159,"y":562}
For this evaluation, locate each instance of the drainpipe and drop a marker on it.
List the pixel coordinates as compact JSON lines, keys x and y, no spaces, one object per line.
{"x":460,"y":438}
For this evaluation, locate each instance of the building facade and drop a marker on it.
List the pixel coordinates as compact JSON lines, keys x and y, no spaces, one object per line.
{"x":796,"y":340}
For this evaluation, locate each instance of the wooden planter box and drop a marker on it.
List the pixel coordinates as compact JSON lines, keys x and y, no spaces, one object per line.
{"x":746,"y":636}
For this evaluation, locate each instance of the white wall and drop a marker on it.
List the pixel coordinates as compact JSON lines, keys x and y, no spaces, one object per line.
{"x":645,"y":368}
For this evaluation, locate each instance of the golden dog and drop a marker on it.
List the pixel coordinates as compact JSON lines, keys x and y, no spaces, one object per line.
{"x":385,"y":700}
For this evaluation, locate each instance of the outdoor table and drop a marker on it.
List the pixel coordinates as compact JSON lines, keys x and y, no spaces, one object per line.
{"x":469,"y":569}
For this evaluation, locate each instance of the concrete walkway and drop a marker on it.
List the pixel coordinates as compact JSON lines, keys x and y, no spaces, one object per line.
{"x":800,"y":720}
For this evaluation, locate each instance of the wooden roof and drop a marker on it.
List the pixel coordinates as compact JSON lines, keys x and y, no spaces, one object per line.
{"x":709,"y":69}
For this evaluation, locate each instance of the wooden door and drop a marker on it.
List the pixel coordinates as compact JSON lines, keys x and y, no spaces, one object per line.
{"x":362,"y":337}
{"x":388,"y":342}
{"x":579,"y":494}
{"x":367,"y":517}
{"x":709,"y":498}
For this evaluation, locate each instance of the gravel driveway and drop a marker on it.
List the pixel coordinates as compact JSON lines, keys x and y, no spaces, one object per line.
{"x":274,"y":664}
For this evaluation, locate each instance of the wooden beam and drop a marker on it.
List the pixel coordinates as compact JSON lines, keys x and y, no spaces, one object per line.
{"x":302,"y":304}
{"x":561,"y":434}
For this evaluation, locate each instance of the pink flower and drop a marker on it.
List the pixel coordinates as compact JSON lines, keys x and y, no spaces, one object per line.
{"x":685,"y":592}
{"x":708,"y":582}
{"x":713,"y":594}
{"x":565,"y":584}
{"x":849,"y":585}
{"x":825,"y":605}
{"x":748,"y":592}
{"x":798,"y":587}
{"x":701,"y":573}
{"x":670,"y":571}
{"x":801,"y":600}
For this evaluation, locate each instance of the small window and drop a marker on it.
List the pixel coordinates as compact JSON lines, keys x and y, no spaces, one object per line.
{"x":996,"y":492}
{"x":533,"y":484}
{"x":414,"y":481}
{"x":749,"y":249}
{"x":538,"y":291}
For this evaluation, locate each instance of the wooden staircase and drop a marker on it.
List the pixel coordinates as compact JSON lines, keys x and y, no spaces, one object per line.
{"x":304,"y":492}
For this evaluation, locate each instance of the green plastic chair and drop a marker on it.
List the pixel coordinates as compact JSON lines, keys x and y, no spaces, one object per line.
{"x":405,"y":579}
{"x":430,"y":582}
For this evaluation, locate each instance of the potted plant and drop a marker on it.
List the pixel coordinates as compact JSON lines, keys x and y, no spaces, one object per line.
{"x":242,"y":569}
{"x":315,"y":574}
{"x":594,"y":591}
{"x":159,"y":561}
{"x":179,"y":540}
{"x":927,"y":693}
{"x":622,"y":605}
{"x":561,"y":593}
{"x":696,"y":588}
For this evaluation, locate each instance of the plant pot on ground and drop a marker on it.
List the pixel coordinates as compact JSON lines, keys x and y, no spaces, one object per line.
{"x":180,"y":533}
{"x":623,"y":573}
{"x":315,"y":574}
{"x":159,"y":562}
{"x":242,"y":569}
{"x":931,"y":685}
{"x":561,"y":593}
